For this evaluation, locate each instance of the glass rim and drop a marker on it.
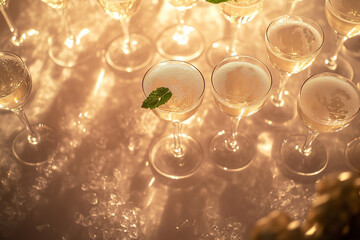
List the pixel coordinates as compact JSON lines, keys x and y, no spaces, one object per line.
{"x":179,"y":62}
{"x":309,"y":20}
{"x":267,"y":71}
{"x":339,"y":77}
{"x":231,"y":3}
{"x":16,"y":56}
{"x":338,"y":10}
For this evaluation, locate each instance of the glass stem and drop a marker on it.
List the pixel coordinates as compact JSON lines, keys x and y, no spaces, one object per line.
{"x":278,"y":98}
{"x":232,"y":143}
{"x":11,"y":25}
{"x":306,"y":148}
{"x":125,"y":25}
{"x":66,"y":23}
{"x":33,"y":137}
{"x":234,"y":36}
{"x":177,"y":149}
{"x":180,"y":34}
{"x":292,"y":6}
{"x":331,"y":62}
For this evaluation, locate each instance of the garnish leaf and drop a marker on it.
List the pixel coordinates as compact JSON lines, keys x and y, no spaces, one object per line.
{"x":216,"y":1}
{"x":157,"y":98}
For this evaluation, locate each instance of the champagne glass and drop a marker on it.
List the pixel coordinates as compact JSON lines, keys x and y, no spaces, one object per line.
{"x":178,"y":155}
{"x":237,"y":13}
{"x":129,"y":52}
{"x":240,"y":86}
{"x":343,"y":17}
{"x":17,"y":39}
{"x":67,"y":49}
{"x":352,"y":154}
{"x":327,"y":102}
{"x":180,"y":41}
{"x":292,"y":44}
{"x":36,"y":144}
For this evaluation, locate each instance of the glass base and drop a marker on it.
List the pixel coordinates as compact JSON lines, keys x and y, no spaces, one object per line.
{"x":231,"y":159}
{"x":173,"y":45}
{"x":221,"y":49}
{"x":35,"y":154}
{"x":167,"y":164}
{"x":276,"y":114}
{"x":297,"y":163}
{"x":129,"y":59}
{"x":70,"y":51}
{"x":343,"y":67}
{"x":352,"y":153}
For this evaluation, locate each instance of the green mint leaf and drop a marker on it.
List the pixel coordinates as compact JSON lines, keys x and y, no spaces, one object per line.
{"x":217,"y":1}
{"x":157,"y":98}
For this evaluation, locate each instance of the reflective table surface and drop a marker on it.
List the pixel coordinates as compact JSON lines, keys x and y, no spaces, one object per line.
{"x":100,"y":184}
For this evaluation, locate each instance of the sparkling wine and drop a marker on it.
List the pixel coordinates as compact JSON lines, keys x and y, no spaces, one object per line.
{"x":328,"y":103}
{"x":57,"y":4}
{"x":183,"y":4}
{"x":240,"y":88}
{"x":292,"y":45}
{"x":120,"y":9}
{"x":186,"y":85}
{"x":241,"y":11}
{"x":15,"y":84}
{"x":343,"y":16}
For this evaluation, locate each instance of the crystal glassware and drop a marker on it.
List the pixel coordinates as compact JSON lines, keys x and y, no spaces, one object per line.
{"x":180,"y":41}
{"x":237,"y":13}
{"x":131,"y":51}
{"x":292,"y":44}
{"x":66,"y":48}
{"x":240,"y":86}
{"x":343,"y":17}
{"x":178,"y":155}
{"x":36,"y":144}
{"x":327,"y":102}
{"x":352,"y":154}
{"x":17,"y":38}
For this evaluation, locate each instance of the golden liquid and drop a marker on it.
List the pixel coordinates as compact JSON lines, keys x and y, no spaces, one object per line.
{"x":328,"y":104}
{"x":57,"y":4}
{"x":15,"y":84}
{"x":244,"y":90}
{"x":293,"y":46}
{"x":182,"y":105}
{"x":120,"y":9}
{"x":343,"y":17}
{"x":183,"y":4}
{"x":241,"y":11}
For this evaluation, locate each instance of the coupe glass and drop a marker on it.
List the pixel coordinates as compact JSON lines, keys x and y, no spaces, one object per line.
{"x":237,"y":13}
{"x":17,"y":39}
{"x":129,"y":52}
{"x":181,"y":41}
{"x":36,"y":144}
{"x":65,"y":48}
{"x":292,"y":44}
{"x":327,"y":102}
{"x":344,"y":19}
{"x":178,"y":155}
{"x":240,"y":86}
